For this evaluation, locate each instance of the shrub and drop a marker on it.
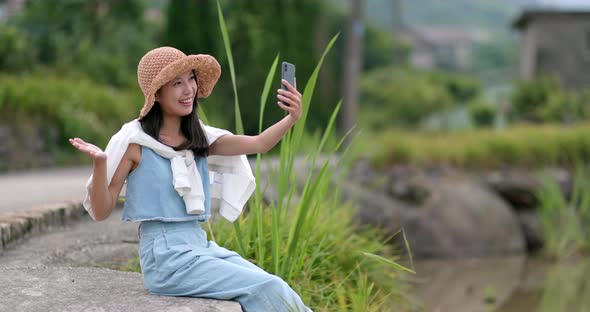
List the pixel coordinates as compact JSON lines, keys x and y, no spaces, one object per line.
{"x":397,"y":97}
{"x":482,"y":113}
{"x":544,"y":100}
{"x":15,"y":51}
{"x":67,"y":106}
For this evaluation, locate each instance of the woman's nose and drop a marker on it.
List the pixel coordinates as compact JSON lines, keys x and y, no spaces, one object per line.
{"x":188,"y":89}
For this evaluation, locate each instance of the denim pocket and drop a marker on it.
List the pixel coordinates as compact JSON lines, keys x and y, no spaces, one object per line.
{"x":159,"y":252}
{"x":173,"y":251}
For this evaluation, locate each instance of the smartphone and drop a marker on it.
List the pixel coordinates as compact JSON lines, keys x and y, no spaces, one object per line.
{"x":287,"y":73}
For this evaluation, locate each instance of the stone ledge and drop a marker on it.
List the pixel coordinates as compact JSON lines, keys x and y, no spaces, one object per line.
{"x":16,"y":225}
{"x":91,"y":289}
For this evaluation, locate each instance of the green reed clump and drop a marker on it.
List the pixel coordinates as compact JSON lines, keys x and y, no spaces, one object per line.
{"x":566,"y":287}
{"x":309,"y":238}
{"x":566,"y":221}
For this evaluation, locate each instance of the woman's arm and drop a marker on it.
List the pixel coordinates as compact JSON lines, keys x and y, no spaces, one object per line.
{"x":231,"y":145}
{"x":103,"y":197}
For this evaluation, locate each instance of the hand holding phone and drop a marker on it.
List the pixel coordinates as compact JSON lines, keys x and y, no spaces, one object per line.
{"x":287,"y":73}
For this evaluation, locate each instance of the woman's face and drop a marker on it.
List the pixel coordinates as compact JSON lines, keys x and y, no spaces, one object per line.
{"x":177,"y":96}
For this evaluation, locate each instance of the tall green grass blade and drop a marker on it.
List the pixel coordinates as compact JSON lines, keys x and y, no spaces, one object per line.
{"x":408,"y":248}
{"x":275,"y":244}
{"x":306,"y":98}
{"x":238,"y":116}
{"x":230,"y":60}
{"x":388,"y":262}
{"x":267,"y":84}
{"x":300,"y":217}
{"x":344,"y":138}
{"x":293,"y":138}
{"x":284,"y":175}
{"x":330,"y":126}
{"x":239,"y":237}
{"x":259,"y":214}
{"x":292,"y":191}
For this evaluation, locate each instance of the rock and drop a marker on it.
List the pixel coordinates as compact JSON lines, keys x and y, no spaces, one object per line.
{"x":459,"y":217}
{"x":531,"y":228}
{"x":519,"y":187}
{"x":515,"y":186}
{"x":408,"y":186}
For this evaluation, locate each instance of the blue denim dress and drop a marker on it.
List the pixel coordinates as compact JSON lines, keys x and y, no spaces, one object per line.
{"x":175,"y":256}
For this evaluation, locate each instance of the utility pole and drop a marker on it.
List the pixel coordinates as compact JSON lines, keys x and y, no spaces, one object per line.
{"x":352,"y":67}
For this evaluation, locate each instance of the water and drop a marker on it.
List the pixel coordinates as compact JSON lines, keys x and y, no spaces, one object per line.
{"x":507,"y":284}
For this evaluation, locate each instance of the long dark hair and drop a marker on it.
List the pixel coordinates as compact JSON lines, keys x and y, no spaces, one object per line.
{"x":189,"y":126}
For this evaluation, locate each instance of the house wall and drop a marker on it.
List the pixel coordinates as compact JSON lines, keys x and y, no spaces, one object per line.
{"x":558,"y":45}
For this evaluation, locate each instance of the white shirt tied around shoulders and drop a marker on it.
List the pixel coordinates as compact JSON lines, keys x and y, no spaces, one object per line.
{"x":231,"y":179}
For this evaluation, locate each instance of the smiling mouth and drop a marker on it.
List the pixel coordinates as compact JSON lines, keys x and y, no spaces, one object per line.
{"x":186,"y":102}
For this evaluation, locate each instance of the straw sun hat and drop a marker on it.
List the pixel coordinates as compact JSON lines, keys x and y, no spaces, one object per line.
{"x":160,"y":65}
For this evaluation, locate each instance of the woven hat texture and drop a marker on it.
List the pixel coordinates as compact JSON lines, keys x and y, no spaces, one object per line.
{"x":160,"y":65}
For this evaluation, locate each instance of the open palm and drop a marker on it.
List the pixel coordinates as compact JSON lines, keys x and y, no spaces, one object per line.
{"x":90,"y":149}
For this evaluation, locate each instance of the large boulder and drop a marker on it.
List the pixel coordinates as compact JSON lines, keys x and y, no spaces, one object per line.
{"x":442,"y":212}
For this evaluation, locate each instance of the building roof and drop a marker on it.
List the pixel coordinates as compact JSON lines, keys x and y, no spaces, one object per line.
{"x":444,"y":35}
{"x":528,"y":14}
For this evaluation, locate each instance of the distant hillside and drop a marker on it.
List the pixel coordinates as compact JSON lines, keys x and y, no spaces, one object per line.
{"x":493,"y":16}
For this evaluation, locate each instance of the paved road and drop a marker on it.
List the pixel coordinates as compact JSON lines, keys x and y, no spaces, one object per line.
{"x":22,"y":190}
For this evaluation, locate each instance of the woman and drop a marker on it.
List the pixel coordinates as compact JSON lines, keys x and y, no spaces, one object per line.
{"x":165,"y":155}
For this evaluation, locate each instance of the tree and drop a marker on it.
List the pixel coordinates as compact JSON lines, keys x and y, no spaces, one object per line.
{"x":191,"y":26}
{"x":102,"y":38}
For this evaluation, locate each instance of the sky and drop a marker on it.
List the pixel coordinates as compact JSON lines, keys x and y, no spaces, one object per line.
{"x":561,"y":3}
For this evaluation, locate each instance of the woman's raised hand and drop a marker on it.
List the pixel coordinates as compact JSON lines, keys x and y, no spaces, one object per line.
{"x":292,"y":98}
{"x":90,"y":149}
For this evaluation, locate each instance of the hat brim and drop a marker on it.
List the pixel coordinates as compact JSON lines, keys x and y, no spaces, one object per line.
{"x":205,"y":66}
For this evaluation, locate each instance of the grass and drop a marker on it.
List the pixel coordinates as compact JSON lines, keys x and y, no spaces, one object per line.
{"x":566,"y":287}
{"x":566,"y":221}
{"x":521,"y":145}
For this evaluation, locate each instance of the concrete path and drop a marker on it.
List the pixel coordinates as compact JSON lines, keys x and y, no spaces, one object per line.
{"x":22,"y":190}
{"x":67,"y":269}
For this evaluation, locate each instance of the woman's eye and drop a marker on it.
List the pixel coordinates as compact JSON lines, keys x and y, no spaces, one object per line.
{"x":192,"y":77}
{"x":177,"y":83}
